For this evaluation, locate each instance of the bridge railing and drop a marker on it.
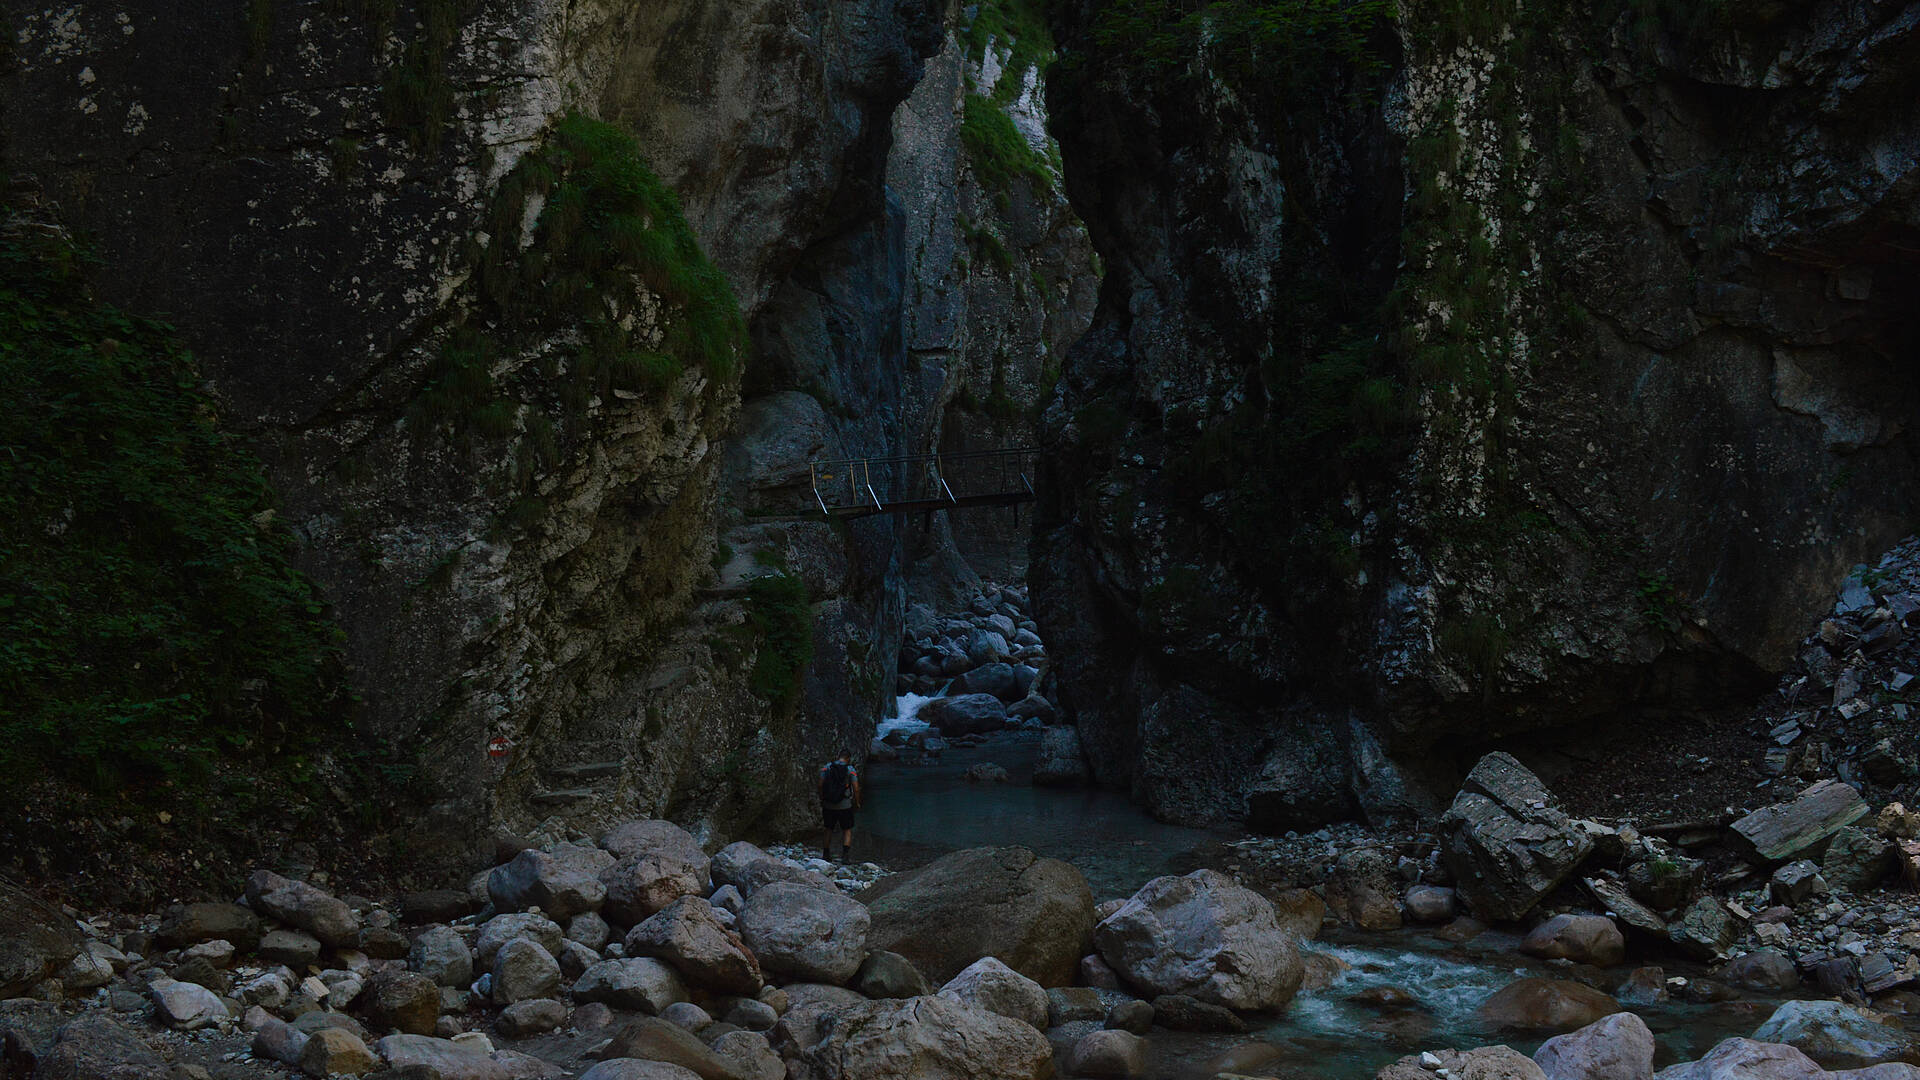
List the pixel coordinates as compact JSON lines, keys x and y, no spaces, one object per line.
{"x":853,"y":487}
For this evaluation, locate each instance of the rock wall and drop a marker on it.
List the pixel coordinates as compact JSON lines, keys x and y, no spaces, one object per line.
{"x":1000,"y":276}
{"x":1472,"y":373}
{"x":510,"y":504}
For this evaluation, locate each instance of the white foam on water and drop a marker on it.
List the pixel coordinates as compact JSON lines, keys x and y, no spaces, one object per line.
{"x":905,"y":708}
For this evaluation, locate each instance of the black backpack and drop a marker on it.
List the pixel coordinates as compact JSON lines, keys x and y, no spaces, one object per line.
{"x":833,"y":788}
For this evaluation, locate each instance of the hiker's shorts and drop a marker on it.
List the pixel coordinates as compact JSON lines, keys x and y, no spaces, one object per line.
{"x":838,"y":818}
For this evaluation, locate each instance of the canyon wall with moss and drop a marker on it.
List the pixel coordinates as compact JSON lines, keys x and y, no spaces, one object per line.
{"x":1463,"y":371}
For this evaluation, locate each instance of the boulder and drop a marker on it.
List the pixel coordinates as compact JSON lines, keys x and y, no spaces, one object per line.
{"x":1178,"y":1012}
{"x":97,"y":1047}
{"x":639,"y":886}
{"x":435,"y":906}
{"x":1643,"y":986}
{"x":186,"y":1006}
{"x":332,"y":1051}
{"x":926,"y":1038}
{"x":751,"y":1015}
{"x":1431,"y":905}
{"x":967,"y":714}
{"x":1506,"y":841}
{"x":531,"y":1017}
{"x":1062,"y":762}
{"x":631,"y":983}
{"x":991,"y":985}
{"x":1796,"y":882}
{"x":1765,"y":970}
{"x":1131,"y":1015}
{"x":563,"y":883}
{"x":523,"y":971}
{"x":1617,"y":900}
{"x":190,"y":924}
{"x":688,"y":935}
{"x":986,"y":772}
{"x":1301,"y":912}
{"x":1545,"y":1005}
{"x":278,"y":1041}
{"x":501,"y":929}
{"x":441,"y":954}
{"x":1485,"y":1063}
{"x":382,"y":943}
{"x":589,"y":929}
{"x":1784,"y":831}
{"x":1746,"y":1059}
{"x":297,"y":903}
{"x":1072,"y":1004}
{"x":752,"y":1054}
{"x":1706,"y":929}
{"x":404,"y":1001}
{"x":1362,"y":890}
{"x":996,"y":679}
{"x":687,"y":1015}
{"x":453,"y":1061}
{"x":1665,"y":881}
{"x":1118,"y":1055}
{"x":746,"y":868}
{"x":1837,"y":1035}
{"x":1856,"y":860}
{"x":986,"y":646}
{"x":1041,"y":924}
{"x":1583,"y":939}
{"x":294,"y":948}
{"x":653,"y":1039}
{"x":636,"y":1069}
{"x":889,"y":975}
{"x":1617,"y":1047}
{"x":806,"y":933}
{"x":1204,"y":936}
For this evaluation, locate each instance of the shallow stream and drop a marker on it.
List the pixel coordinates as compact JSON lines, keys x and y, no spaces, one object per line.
{"x":915,"y":813}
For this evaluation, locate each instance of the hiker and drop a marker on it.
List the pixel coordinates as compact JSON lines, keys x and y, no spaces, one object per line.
{"x":839,"y":796}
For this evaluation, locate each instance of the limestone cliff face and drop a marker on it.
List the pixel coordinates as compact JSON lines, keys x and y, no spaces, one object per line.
{"x":1456,"y":380}
{"x":503,"y":452}
{"x":1000,"y":275}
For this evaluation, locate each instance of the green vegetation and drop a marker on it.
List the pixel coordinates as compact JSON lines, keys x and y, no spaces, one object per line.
{"x":1661,"y":605}
{"x":1479,"y":640}
{"x":780,"y":612}
{"x":1018,"y":26}
{"x":1279,"y":47}
{"x":999,"y":153}
{"x":151,"y":624}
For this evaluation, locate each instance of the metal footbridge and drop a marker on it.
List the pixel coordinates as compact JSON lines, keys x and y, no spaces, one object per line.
{"x":862,"y":487}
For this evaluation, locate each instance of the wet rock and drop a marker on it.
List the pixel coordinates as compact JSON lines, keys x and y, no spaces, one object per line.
{"x":331,"y":1052}
{"x":1507,"y":843}
{"x":1856,"y":860}
{"x":806,"y":933}
{"x":927,"y":1038}
{"x":688,"y":935}
{"x":1706,"y":929}
{"x":190,"y":924}
{"x":1205,"y":936}
{"x":404,"y":1001}
{"x":991,"y":985}
{"x":1618,"y":1047}
{"x":1766,"y":970}
{"x":747,"y":868}
{"x":501,"y":929}
{"x":1784,"y":831}
{"x":1319,"y":970}
{"x":441,"y":954}
{"x":1485,"y":1063}
{"x":1549,"y":1005}
{"x":1109,"y":1053}
{"x":1061,"y":763}
{"x":1583,"y":939}
{"x":653,"y":1039}
{"x":186,"y":1006}
{"x":96,"y":1047}
{"x":297,"y":903}
{"x":986,"y":772}
{"x":631,"y":983}
{"x":1134,"y":1016}
{"x":1179,"y":1012}
{"x":1796,"y":882}
{"x":889,"y":975}
{"x":1300,"y":913}
{"x":967,"y":714}
{"x":1362,"y":890}
{"x":562,"y":883}
{"x":523,"y":971}
{"x":1431,"y":905}
{"x":1837,"y":1035}
{"x":1041,"y":927}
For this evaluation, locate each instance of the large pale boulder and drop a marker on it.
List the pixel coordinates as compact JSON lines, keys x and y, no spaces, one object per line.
{"x":659,"y":862}
{"x":523,"y":971}
{"x":1034,"y":914}
{"x":1206,"y":937}
{"x":747,"y":868}
{"x":297,"y":903}
{"x":890,"y":975}
{"x":563,"y":883}
{"x":1583,"y":939}
{"x":751,"y":1052}
{"x":1484,"y":1063}
{"x":1747,"y":1059}
{"x":441,"y":954}
{"x":1108,"y":1055}
{"x":1838,"y":1035}
{"x":1617,"y":1047}
{"x":501,"y":929}
{"x":688,"y":935}
{"x":185,"y":1006}
{"x":805,"y":933}
{"x":965,"y":714}
{"x":639,"y":983}
{"x":1506,"y":841}
{"x":991,"y":985}
{"x":925,"y":1038}
{"x":336,"y":1052}
{"x":1547,"y":1005}
{"x":404,"y":1001}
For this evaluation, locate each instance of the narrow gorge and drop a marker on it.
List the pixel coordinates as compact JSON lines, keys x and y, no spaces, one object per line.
{"x":1428,"y":491}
